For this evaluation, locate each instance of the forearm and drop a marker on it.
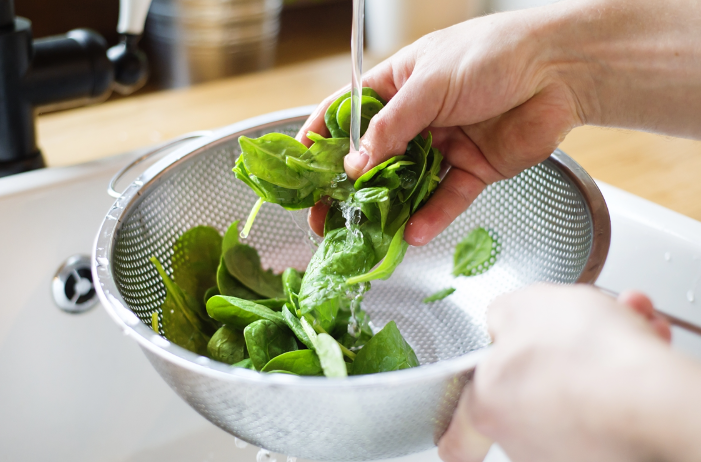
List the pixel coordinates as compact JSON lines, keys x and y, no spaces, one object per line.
{"x":630,"y":63}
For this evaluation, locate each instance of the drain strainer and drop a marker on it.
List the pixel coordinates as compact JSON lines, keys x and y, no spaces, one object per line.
{"x":72,"y":286}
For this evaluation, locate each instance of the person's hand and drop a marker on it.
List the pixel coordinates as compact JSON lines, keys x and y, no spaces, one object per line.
{"x":499,"y":93}
{"x":491,"y":103}
{"x":574,"y":375}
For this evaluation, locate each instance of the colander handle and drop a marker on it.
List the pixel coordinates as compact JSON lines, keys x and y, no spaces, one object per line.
{"x":174,"y":142}
{"x":673,"y":320}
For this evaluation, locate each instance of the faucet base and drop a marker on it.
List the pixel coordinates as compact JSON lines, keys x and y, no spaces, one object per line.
{"x":22,"y":165}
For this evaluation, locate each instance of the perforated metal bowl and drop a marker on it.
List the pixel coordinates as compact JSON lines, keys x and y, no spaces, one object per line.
{"x":552,"y":225}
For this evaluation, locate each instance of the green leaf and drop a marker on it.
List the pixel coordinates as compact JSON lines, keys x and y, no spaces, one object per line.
{"x":369,"y":107}
{"x":328,"y":351}
{"x":227,"y":346}
{"x":266,"y":340}
{"x":246,"y":364}
{"x":274,"y":304}
{"x":395,"y":255}
{"x":265,"y":157}
{"x":331,"y":113}
{"x":211,"y":292}
{"x":295,"y":326}
{"x":474,"y":254}
{"x":181,"y":322}
{"x":300,"y":362}
{"x":195,"y":260}
{"x":386,"y":351}
{"x":374,"y":203}
{"x":440,"y":295}
{"x":340,"y":255}
{"x":243,"y":263}
{"x":238,"y":313}
{"x":370,"y":174}
{"x":230,"y":286}
{"x":291,"y":284}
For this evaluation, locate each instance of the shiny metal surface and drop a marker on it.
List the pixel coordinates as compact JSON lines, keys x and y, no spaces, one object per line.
{"x":200,"y":40}
{"x":72,"y":286}
{"x":546,"y":226}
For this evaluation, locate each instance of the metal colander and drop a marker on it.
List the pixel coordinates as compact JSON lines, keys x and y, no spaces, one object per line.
{"x":550,"y":221}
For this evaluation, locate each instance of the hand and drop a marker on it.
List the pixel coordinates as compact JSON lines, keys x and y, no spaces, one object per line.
{"x":575,"y":375}
{"x":499,"y":93}
{"x":485,"y":93}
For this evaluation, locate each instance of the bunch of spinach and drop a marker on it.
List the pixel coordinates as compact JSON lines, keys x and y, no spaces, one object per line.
{"x":221,"y":303}
{"x":364,"y":229}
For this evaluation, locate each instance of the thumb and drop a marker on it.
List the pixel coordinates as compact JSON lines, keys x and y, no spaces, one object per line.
{"x":410,"y":111}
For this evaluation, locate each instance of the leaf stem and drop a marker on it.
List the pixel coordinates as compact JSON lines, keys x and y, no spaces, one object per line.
{"x":344,"y":350}
{"x":251,"y":218}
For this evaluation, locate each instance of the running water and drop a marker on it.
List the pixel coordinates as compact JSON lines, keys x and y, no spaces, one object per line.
{"x":356,"y":72}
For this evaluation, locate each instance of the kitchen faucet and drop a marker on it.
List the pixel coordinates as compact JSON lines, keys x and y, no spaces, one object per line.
{"x":58,"y":72}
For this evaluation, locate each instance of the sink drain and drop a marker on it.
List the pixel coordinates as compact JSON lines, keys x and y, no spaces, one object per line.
{"x":72,"y":286}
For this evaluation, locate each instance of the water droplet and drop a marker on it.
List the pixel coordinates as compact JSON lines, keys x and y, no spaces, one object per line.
{"x":240,"y":443}
{"x":265,"y":456}
{"x":690,"y":296}
{"x":667,"y":256}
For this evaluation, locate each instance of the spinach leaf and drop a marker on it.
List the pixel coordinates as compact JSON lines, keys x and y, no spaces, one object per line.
{"x":246,"y":364}
{"x":195,"y":259}
{"x":230,"y":286}
{"x":211,"y":292}
{"x":328,"y":351}
{"x":440,"y":295}
{"x":300,"y":362}
{"x":266,"y":340}
{"x":386,"y":351}
{"x":227,"y":346}
{"x":295,"y":326}
{"x":395,"y":255}
{"x":370,"y":174}
{"x":238,"y":313}
{"x":369,"y":107}
{"x":181,"y":322}
{"x":474,"y":254}
{"x":374,"y":203}
{"x":291,"y":283}
{"x":243,"y":263}
{"x":265,"y":157}
{"x":332,"y":112}
{"x":291,"y":199}
{"x":342,"y":253}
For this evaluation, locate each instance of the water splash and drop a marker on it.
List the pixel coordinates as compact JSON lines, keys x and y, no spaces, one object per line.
{"x":291,"y":459}
{"x":241,"y":444}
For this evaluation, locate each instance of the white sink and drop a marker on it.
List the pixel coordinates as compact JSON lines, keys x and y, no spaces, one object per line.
{"x":73,"y":388}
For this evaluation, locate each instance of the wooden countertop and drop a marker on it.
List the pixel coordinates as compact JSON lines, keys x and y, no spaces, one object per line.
{"x":662,"y":169}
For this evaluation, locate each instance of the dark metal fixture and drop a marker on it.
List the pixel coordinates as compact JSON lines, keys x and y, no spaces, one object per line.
{"x":59,"y":72}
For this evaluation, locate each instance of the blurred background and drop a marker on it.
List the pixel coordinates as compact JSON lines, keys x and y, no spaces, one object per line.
{"x":192,"y":41}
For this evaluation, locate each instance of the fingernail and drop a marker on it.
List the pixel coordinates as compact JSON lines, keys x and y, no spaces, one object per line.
{"x":355,"y":162}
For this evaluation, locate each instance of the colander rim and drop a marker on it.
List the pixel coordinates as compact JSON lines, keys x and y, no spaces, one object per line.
{"x":132,"y":326}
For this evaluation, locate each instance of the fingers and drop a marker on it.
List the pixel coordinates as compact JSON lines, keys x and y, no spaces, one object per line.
{"x":317,"y":216}
{"x":456,"y":192}
{"x":411,"y":110}
{"x":642,"y":304}
{"x":462,"y":442}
